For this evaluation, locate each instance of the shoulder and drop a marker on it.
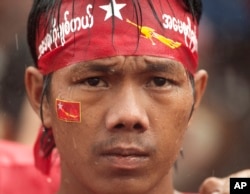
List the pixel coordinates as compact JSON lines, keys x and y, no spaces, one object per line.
{"x":17,"y":166}
{"x":12,"y":153}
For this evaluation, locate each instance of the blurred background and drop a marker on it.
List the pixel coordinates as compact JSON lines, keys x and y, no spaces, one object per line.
{"x":17,"y":121}
{"x":217,"y":142}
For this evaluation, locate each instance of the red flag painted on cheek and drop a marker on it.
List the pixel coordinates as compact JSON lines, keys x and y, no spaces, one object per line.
{"x":68,"y":111}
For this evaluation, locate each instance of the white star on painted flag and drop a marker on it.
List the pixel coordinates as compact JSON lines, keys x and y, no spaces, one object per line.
{"x":60,"y":106}
{"x":108,"y":9}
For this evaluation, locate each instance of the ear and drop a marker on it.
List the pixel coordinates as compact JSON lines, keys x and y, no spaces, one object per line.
{"x":34,"y":88}
{"x":200,"y":79}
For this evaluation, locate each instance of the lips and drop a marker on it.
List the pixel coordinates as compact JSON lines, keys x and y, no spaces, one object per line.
{"x":125,"y":158}
{"x":125,"y":152}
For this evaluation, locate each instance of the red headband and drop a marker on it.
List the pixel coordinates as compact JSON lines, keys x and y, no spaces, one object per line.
{"x":88,"y":31}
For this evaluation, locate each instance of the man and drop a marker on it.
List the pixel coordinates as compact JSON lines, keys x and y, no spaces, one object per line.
{"x":115,"y":85}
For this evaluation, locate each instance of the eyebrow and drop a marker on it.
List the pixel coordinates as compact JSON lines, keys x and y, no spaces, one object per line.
{"x":170,"y":68}
{"x":167,"y":66}
{"x":98,"y":67}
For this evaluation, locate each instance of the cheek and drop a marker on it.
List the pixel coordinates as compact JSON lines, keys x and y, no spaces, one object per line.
{"x":76,"y":139}
{"x":171,"y":122}
{"x":172,"y":114}
{"x":67,"y":138}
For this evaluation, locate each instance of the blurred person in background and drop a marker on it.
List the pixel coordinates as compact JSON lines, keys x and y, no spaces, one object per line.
{"x":17,"y":121}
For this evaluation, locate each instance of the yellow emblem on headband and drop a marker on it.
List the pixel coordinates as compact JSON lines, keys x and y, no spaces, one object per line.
{"x":149,"y":33}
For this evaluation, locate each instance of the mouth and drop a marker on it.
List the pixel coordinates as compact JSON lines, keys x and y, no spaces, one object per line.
{"x":125,"y":158}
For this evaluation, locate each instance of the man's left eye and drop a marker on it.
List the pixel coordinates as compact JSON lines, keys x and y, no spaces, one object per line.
{"x":95,"y":82}
{"x":158,"y":82}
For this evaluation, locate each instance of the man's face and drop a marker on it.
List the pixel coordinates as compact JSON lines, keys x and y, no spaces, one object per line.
{"x":134,"y":113}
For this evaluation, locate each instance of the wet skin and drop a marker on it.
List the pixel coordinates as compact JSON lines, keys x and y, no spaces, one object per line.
{"x":134,"y":113}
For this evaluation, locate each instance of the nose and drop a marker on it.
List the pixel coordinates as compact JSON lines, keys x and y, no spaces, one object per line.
{"x":127,"y":112}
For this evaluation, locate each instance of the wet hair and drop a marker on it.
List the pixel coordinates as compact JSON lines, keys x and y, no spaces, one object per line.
{"x":50,"y":9}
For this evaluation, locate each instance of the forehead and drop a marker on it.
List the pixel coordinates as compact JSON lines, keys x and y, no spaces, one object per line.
{"x":124,"y":64}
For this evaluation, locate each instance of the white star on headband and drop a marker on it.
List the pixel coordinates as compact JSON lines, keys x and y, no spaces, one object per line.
{"x":108,"y":9}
